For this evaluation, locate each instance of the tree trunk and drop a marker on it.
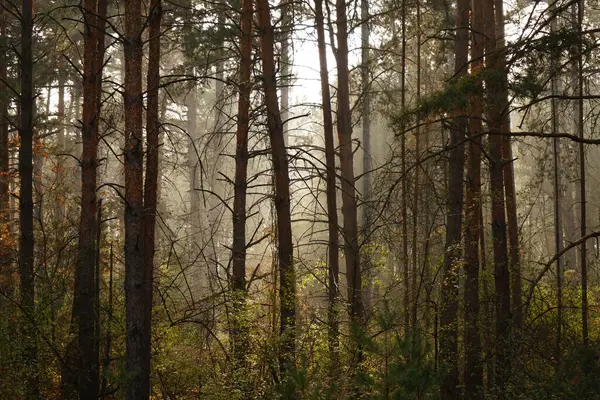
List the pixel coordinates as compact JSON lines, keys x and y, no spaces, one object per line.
{"x":473,"y":357}
{"x":287,"y":280}
{"x":332,"y":212}
{"x":137,"y":360}
{"x":558,"y":233}
{"x":582,"y":180}
{"x":6,"y":281}
{"x":84,"y":305}
{"x":238,"y":277}
{"x":454,"y":206}
{"x":496,"y":115}
{"x":508,"y":175}
{"x":150,"y":187}
{"x":404,"y":212}
{"x":26,"y":239}
{"x":349,"y":205}
{"x":416,"y":199}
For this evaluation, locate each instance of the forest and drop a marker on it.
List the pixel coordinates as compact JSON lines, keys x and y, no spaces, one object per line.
{"x":299,"y":199}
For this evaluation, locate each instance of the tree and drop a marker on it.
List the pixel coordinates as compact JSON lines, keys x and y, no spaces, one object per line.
{"x":85,"y":300}
{"x":454,"y":207}
{"x":496,"y":116}
{"x":333,"y":267}
{"x":26,"y":239}
{"x":473,"y":357}
{"x":137,"y":360}
{"x":287,"y":280}
{"x":349,"y":204}
{"x":238,"y":277}
{"x":150,"y":186}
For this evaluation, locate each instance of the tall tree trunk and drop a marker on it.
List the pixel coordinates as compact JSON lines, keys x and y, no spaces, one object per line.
{"x":496,"y":116}
{"x":59,"y":207}
{"x":349,"y":205}
{"x":287,"y":279}
{"x":404,"y":207}
{"x":366,"y":142}
{"x":333,"y":266}
{"x":473,"y":357}
{"x":238,"y":277}
{"x":137,"y":360}
{"x":508,"y":175}
{"x":558,"y":234}
{"x":454,"y":208}
{"x":26,"y":239}
{"x":150,"y":187}
{"x":416,"y":199}
{"x":6,"y":282}
{"x":582,"y":180}
{"x":286,"y":64}
{"x":84,"y":305}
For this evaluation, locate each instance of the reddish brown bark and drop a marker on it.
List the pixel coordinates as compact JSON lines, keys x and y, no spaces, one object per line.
{"x":238,"y":278}
{"x":287,"y":280}
{"x":473,"y":357}
{"x":495,"y":117}
{"x":333,"y":265}
{"x":150,"y":185}
{"x":85,"y":302}
{"x":454,"y":207}
{"x":349,"y":204}
{"x":137,"y":360}
{"x":6,"y":281}
{"x":26,"y":240}
{"x":509,"y":179}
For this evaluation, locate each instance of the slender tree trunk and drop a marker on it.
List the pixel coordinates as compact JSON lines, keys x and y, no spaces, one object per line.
{"x":6,"y":282}
{"x":349,"y":205}
{"x":84,"y":306}
{"x":582,"y":180}
{"x":238,"y":277}
{"x":496,"y":115}
{"x":332,"y":212}
{"x":508,"y":175}
{"x":454,"y":207}
{"x":137,"y":360}
{"x":286,"y":64}
{"x":366,"y":143}
{"x":287,"y":279}
{"x":148,"y":236}
{"x":61,"y":146}
{"x":415,"y":284}
{"x":26,"y":240}
{"x":558,"y":234}
{"x":404,"y":212}
{"x":473,"y":357}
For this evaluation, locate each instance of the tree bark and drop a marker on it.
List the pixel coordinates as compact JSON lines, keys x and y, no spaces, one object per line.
{"x":137,"y":360}
{"x":349,"y":204}
{"x":558,"y":233}
{"x":404,"y":207}
{"x":238,"y":277}
{"x":496,"y":116}
{"x":473,"y":355}
{"x":26,"y":239}
{"x":287,"y":279}
{"x":582,"y":179}
{"x":85,"y":302}
{"x":454,"y":207}
{"x":333,"y":266}
{"x":508,"y":175}
{"x":150,"y":185}
{"x":6,"y":281}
